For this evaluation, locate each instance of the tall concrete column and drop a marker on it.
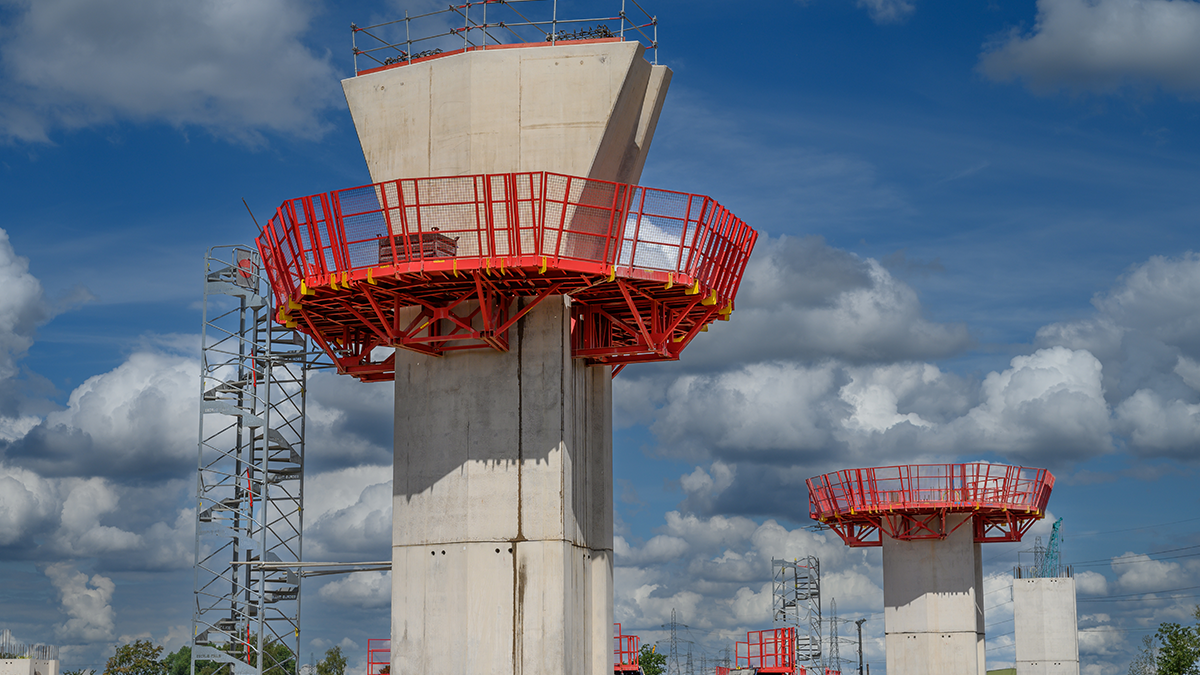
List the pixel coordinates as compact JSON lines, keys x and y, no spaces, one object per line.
{"x":1047,"y":627}
{"x":933,"y":604}
{"x":502,"y":541}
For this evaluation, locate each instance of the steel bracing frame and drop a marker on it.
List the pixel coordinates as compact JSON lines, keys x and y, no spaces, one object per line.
{"x":796,"y":602}
{"x":250,"y":484}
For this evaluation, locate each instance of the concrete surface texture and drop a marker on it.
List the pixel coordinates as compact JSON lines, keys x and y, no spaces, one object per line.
{"x":933,"y":604}
{"x":502,"y":539}
{"x":1047,"y":629}
{"x":28,"y":667}
{"x":579,"y":109}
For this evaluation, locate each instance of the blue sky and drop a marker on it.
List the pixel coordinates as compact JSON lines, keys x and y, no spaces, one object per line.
{"x":978,"y":224}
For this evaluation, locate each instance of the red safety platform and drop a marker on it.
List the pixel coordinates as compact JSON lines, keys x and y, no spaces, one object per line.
{"x":912,"y":501}
{"x":626,"y":649}
{"x":440,"y":264}
{"x":768,"y":651}
{"x":379,"y":656}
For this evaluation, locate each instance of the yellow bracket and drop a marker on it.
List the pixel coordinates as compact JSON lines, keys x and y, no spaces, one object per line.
{"x":704,"y":328}
{"x":371,"y":276}
{"x":670,"y":281}
{"x":542,"y":269}
{"x":612,"y":274}
{"x":693,"y":289}
{"x":727,"y":310}
{"x":291,"y":324}
{"x":333,"y":282}
{"x":345,"y":279}
{"x":305,"y":290}
{"x":292,"y":304}
{"x":456,"y":268}
{"x":710,"y":300}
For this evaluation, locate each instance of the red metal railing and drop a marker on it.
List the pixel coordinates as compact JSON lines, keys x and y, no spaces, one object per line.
{"x":379,"y":656}
{"x":768,"y":651}
{"x":626,"y":649}
{"x":343,"y":264}
{"x":912,"y":501}
{"x":495,"y":221}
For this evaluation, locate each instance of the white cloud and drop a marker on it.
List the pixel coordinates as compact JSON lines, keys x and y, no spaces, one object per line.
{"x":132,"y":421}
{"x":349,"y":514}
{"x":887,"y":11}
{"x":1091,"y":583}
{"x":361,"y":589}
{"x":28,"y":504}
{"x":233,"y":68}
{"x":86,"y":601}
{"x":802,"y":299}
{"x":1138,"y":573}
{"x":1102,"y":45}
{"x":1049,"y":401}
{"x":22,"y":308}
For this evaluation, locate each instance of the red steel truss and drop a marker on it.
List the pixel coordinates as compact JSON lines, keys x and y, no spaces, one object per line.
{"x":913,"y":501}
{"x":768,"y":651}
{"x":626,"y":649}
{"x":440,"y":264}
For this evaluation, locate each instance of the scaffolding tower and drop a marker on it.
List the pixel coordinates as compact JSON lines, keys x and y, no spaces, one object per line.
{"x":796,"y":601}
{"x":250,"y":473}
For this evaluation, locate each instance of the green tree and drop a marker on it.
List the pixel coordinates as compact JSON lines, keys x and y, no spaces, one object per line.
{"x":651,"y":661}
{"x":1147,"y":657}
{"x":136,"y":658}
{"x":1179,"y":648}
{"x":333,"y":663}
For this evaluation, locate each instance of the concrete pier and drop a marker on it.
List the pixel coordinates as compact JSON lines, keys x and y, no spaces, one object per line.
{"x":1047,"y":627}
{"x":502,"y":542}
{"x":502,"y":522}
{"x":933,"y":604}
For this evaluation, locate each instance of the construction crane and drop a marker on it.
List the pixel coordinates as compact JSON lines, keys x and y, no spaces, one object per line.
{"x":1049,"y":562}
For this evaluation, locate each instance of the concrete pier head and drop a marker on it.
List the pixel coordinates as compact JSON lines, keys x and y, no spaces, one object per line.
{"x":930,"y":520}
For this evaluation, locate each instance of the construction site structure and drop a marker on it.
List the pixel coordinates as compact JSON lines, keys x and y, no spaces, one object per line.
{"x":930,"y":520}
{"x":249,"y":481}
{"x":796,"y":601}
{"x":1044,"y":611}
{"x":626,"y":650}
{"x":502,"y":267}
{"x":379,"y":656}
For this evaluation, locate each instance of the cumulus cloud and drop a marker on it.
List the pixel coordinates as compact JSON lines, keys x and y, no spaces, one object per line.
{"x":235,"y":69}
{"x":130,"y":422}
{"x":1139,"y":573}
{"x":1051,"y":401}
{"x":715,"y":573}
{"x":361,"y":589}
{"x":1101,"y":46}
{"x":350,"y":513}
{"x":1146,"y":333}
{"x":86,"y":601}
{"x":801,"y":299}
{"x":1091,"y":583}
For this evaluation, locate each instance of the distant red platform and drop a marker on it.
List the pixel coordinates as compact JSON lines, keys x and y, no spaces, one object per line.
{"x":912,"y":501}
{"x":441,"y":264}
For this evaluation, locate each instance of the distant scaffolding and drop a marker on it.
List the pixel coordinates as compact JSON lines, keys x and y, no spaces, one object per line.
{"x":796,"y":601}
{"x":250,"y":485}
{"x":490,"y":23}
